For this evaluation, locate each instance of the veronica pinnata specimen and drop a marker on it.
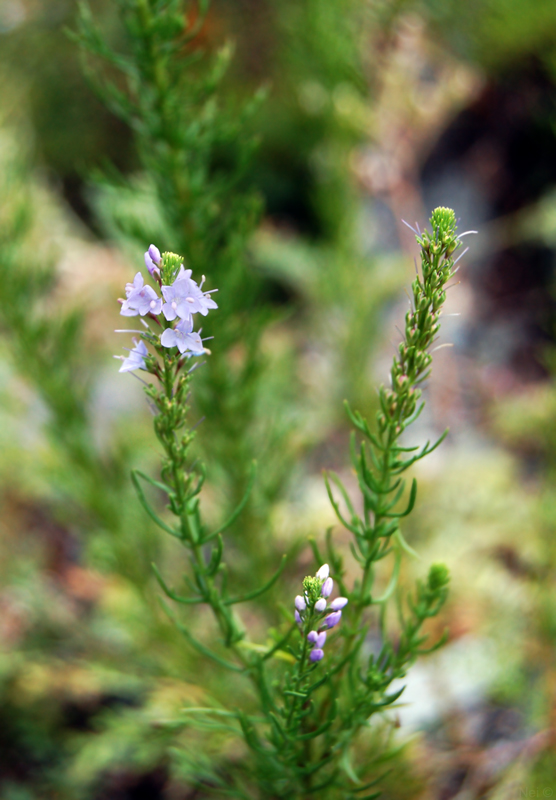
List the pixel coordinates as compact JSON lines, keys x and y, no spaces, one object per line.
{"x":315,"y":699}
{"x":183,"y":297}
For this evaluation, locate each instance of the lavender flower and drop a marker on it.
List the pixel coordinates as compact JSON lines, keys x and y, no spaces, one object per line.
{"x":178,"y":297}
{"x":316,"y":654}
{"x":184,"y":297}
{"x":320,"y":640}
{"x":332,"y":619}
{"x":152,"y":260}
{"x":136,"y":357}
{"x":323,"y":572}
{"x":320,"y":605}
{"x":141,"y":299}
{"x":183,"y":337}
{"x":297,"y":617}
{"x":202,"y":301}
{"x":327,"y":587}
{"x":312,"y":637}
{"x":300,"y":603}
{"x":338,"y":603}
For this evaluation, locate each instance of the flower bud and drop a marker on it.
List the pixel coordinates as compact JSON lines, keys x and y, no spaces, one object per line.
{"x":300,"y":603}
{"x":320,"y":640}
{"x":333,"y":619}
{"x":320,"y":605}
{"x":154,"y":253}
{"x":323,"y":572}
{"x":312,"y":637}
{"x":339,"y":603}
{"x":327,"y":587}
{"x":297,"y":617}
{"x":316,"y":655}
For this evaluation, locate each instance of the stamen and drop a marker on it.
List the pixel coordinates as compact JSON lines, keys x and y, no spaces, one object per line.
{"x":461,"y":254}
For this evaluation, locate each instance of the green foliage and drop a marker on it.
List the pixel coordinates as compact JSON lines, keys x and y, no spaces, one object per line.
{"x":195,"y":150}
{"x":309,"y":716}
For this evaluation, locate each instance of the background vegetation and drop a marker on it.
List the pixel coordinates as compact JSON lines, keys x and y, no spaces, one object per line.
{"x":372,"y":112}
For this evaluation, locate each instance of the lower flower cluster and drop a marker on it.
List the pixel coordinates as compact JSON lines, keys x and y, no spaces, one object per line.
{"x":181,"y":298}
{"x":313,"y":611}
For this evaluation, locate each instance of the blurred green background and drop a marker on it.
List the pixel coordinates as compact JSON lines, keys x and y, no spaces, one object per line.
{"x":375,"y":111}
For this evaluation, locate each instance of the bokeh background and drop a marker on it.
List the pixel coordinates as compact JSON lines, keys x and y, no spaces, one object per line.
{"x":375,"y":112}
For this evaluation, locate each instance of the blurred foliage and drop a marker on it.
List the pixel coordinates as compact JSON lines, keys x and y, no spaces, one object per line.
{"x":88,"y":668}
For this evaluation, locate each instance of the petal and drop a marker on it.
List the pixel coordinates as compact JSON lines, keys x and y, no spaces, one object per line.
{"x":169,"y":311}
{"x":168,"y":338}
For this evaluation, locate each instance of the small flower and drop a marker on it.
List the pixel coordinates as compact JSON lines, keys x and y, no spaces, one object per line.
{"x":136,"y":358}
{"x":332,"y":619}
{"x":320,"y":605}
{"x":178,"y":297}
{"x":316,"y":654}
{"x":323,"y":572}
{"x":300,"y":603}
{"x":152,"y":260}
{"x":141,"y":299}
{"x":327,"y":587}
{"x":320,"y":640}
{"x":202,"y":301}
{"x":312,"y":637}
{"x":339,"y":603}
{"x":297,"y":617}
{"x":183,"y":337}
{"x":184,"y":297}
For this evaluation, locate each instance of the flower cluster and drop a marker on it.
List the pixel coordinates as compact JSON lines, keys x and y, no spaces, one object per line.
{"x":181,"y":298}
{"x":312,"y":606}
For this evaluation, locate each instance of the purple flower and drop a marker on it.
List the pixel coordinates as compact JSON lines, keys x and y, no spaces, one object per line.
{"x":178,"y":296}
{"x":333,"y":619}
{"x":320,"y":605}
{"x":327,"y":587}
{"x":316,"y":654}
{"x":297,"y":617}
{"x":136,"y":357}
{"x":323,"y":572}
{"x":312,"y":636}
{"x":320,"y":640}
{"x":184,"y":297}
{"x":339,"y":603}
{"x":202,"y":301}
{"x":183,"y":337}
{"x":141,"y":299}
{"x":300,"y":603}
{"x":152,"y":260}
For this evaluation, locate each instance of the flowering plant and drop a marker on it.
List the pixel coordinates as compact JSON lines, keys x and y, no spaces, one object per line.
{"x":312,"y":710}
